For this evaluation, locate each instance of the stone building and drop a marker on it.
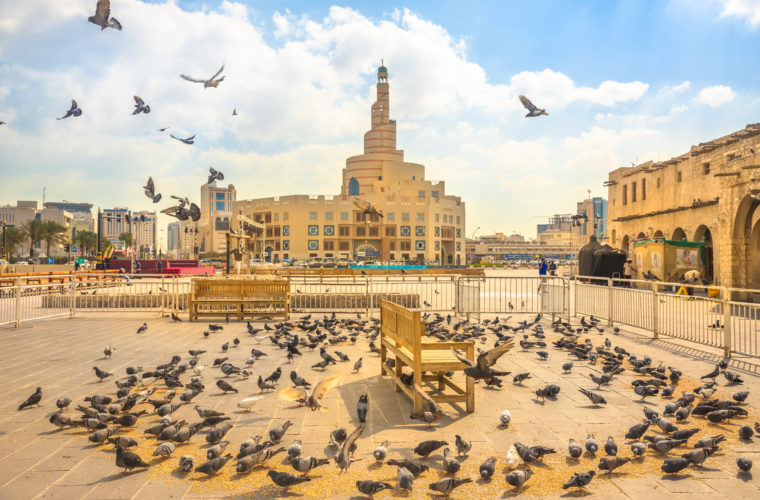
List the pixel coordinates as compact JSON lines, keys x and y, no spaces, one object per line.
{"x":421,"y":221}
{"x":710,"y":194}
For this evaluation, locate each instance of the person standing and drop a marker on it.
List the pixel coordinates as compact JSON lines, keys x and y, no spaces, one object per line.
{"x":628,"y":270}
{"x":542,"y":267}
{"x":552,"y":268}
{"x":160,"y":265}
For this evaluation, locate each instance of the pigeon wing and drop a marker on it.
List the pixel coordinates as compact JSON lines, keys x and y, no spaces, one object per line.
{"x":194,"y":212}
{"x":528,"y":105}
{"x":139,"y":101}
{"x":103,"y":10}
{"x":322,"y":387}
{"x":351,"y":439}
{"x":191,"y":79}
{"x":462,"y":358}
{"x":190,"y":138}
{"x":220,"y":176}
{"x":150,"y":188}
{"x":212,"y":171}
{"x":217,"y":73}
{"x":292,"y":394}
{"x":171,"y":210}
{"x":74,"y":105}
{"x":487,"y":359}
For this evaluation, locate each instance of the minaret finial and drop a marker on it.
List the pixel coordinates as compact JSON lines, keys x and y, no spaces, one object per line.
{"x":382,"y":63}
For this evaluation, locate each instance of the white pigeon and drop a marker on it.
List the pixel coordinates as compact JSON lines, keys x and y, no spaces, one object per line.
{"x":505,"y":418}
{"x":249,"y":403}
{"x":198,"y":369}
{"x":513,"y":459}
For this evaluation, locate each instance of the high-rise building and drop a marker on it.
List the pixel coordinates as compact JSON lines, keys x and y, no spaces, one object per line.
{"x":144,"y":231}
{"x":172,"y":236}
{"x":114,"y":223}
{"x":595,"y":209}
{"x":421,"y":221}
{"x":216,"y":213}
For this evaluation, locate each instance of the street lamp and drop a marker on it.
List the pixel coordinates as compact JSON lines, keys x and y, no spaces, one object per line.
{"x":473,"y":233}
{"x":2,"y":254}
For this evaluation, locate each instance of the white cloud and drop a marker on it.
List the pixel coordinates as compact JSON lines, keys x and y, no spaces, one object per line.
{"x":715,"y":96}
{"x":747,"y":9}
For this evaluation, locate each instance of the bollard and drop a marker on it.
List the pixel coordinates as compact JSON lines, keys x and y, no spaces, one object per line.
{"x":18,"y":302}
{"x":655,"y":310}
{"x":72,"y":299}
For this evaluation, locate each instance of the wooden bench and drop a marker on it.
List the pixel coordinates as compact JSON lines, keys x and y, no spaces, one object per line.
{"x":240,"y":298}
{"x":402,"y":332}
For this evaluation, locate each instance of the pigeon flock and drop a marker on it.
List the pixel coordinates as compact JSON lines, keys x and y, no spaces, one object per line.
{"x":162,"y":416}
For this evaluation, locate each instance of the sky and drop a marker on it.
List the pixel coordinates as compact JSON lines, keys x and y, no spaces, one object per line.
{"x":623,"y":81}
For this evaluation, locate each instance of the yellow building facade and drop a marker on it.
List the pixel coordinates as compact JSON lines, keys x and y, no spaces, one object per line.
{"x":421,"y":221}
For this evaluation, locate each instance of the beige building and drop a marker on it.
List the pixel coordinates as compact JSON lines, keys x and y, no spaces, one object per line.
{"x":710,"y":194}
{"x":28,"y":210}
{"x":498,"y":250}
{"x":421,"y":221}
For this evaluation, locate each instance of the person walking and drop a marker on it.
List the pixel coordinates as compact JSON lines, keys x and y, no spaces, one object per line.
{"x":542,"y":268}
{"x":628,"y":270}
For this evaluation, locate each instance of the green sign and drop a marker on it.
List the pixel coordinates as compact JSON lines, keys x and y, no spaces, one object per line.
{"x":79,"y":261}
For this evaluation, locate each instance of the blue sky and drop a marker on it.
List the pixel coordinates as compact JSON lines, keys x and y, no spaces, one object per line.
{"x":623,"y":81}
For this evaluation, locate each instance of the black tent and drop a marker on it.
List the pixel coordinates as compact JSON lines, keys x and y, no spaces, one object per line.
{"x":586,"y":258}
{"x":608,"y":261}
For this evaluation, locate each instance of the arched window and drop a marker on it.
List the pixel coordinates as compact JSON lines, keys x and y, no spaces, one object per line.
{"x":353,"y":187}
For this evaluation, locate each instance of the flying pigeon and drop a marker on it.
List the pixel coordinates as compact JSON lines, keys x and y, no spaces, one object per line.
{"x":182,"y":213}
{"x":211,"y":82}
{"x":234,"y":112}
{"x":103,"y":17}
{"x":163,"y":129}
{"x":3,"y":123}
{"x":190,"y":140}
{"x":214,"y":175}
{"x":533,"y":111}
{"x":140,"y":106}
{"x":75,"y":110}
{"x":150,"y":191}
{"x":367,"y":208}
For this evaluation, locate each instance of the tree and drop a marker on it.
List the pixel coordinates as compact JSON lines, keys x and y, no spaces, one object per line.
{"x":13,"y":237}
{"x":52,"y":234}
{"x":126,"y":239}
{"x":87,"y":240}
{"x":33,"y":230}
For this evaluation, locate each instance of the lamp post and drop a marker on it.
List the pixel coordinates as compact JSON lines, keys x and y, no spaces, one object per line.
{"x":2,"y":254}
{"x":473,"y":233}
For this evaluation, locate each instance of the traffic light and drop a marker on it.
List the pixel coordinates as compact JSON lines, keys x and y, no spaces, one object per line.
{"x":66,"y":247}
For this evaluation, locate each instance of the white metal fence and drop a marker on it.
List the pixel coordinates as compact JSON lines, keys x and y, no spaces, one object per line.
{"x":703,"y":314}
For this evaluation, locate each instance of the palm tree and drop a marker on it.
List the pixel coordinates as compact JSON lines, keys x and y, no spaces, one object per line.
{"x":126,"y":239}
{"x":52,"y":234}
{"x":13,"y":237}
{"x":33,"y":230}
{"x":86,"y":240}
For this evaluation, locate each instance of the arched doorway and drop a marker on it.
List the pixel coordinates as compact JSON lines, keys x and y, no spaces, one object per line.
{"x":625,"y":244}
{"x":268,"y":253}
{"x":641,"y":236}
{"x":703,"y":234}
{"x":659,"y":234}
{"x":746,"y":268}
{"x":678,"y":234}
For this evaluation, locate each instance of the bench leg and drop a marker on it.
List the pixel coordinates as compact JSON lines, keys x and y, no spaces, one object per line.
{"x":383,"y":356}
{"x":399,"y":370}
{"x":470,"y":389}
{"x":417,"y":395}
{"x":441,"y":384}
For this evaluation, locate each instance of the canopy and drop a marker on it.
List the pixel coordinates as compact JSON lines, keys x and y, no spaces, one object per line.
{"x":608,"y":261}
{"x":586,"y":258}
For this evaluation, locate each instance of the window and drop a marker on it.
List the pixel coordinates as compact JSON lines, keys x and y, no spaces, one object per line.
{"x":344,"y":216}
{"x":328,"y":216}
{"x":343,"y":246}
{"x":437,"y":217}
{"x":312,"y":215}
{"x":313,"y":230}
{"x":277,"y":216}
{"x":374,"y":231}
{"x":434,"y":194}
{"x":344,"y":230}
{"x":643,"y":189}
{"x":406,"y":245}
{"x":361,"y":231}
{"x":353,"y":187}
{"x":459,"y":233}
{"x":220,"y":196}
{"x":329,"y":245}
{"x":633,"y":192}
{"x":285,"y":245}
{"x":286,"y":230}
{"x":419,"y":230}
{"x":390,"y":232}
{"x":419,"y":245}
{"x":277,"y":231}
{"x":404,"y":216}
{"x":329,"y":231}
{"x":222,"y":224}
{"x":705,"y":169}
{"x":390,"y":217}
{"x":406,"y":231}
{"x":437,"y":231}
{"x":219,"y":206}
{"x":420,"y":194}
{"x":459,"y":219}
{"x":625,"y":194}
{"x":420,"y":217}
{"x":392,"y":248}
{"x":678,"y":176}
{"x":313,"y":244}
{"x":459,"y":246}
{"x":437,"y":246}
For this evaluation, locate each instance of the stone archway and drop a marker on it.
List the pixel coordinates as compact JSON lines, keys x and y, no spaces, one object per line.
{"x":626,"y":244}
{"x":659,"y":234}
{"x":703,"y":233}
{"x":641,"y":236}
{"x":678,"y":234}
{"x":745,"y":270}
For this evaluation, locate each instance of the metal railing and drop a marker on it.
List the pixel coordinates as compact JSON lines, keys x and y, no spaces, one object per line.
{"x":20,"y":302}
{"x":702,"y":314}
{"x":514,"y":295}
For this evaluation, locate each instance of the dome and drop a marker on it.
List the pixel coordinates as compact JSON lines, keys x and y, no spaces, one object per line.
{"x":382,"y":69}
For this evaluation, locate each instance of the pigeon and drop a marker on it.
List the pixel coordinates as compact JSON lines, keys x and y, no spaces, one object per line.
{"x":164,"y":450}
{"x":566,"y":367}
{"x":487,"y":468}
{"x":186,"y":463}
{"x":74,"y":111}
{"x":579,"y":480}
{"x":140,"y":106}
{"x":684,"y":433}
{"x":450,"y":464}
{"x":591,"y":444}
{"x":426,"y":417}
{"x":513,"y":458}
{"x":358,"y":365}
{"x":211,"y":82}
{"x":144,"y":326}
{"x":181,"y":213}
{"x":463,"y":446}
{"x":611,"y":463}
{"x":637,"y":430}
{"x":163,"y":129}
{"x":234,"y":112}
{"x":213,"y":466}
{"x":505,"y":418}
{"x":306,"y":464}
{"x":447,"y":485}
{"x":342,"y":458}
{"x":381,"y":452}
{"x":370,"y":488}
{"x":744,"y":464}
{"x":312,"y":401}
{"x":101,"y":374}
{"x":425,"y":448}
{"x":285,"y":479}
{"x":276,"y":433}
{"x":518,"y":477}
{"x":413,"y":467}
{"x":699,"y":455}
{"x":225,"y":387}
{"x":746,"y":432}
{"x":533,"y":111}
{"x":665,"y":445}
{"x":674,"y":465}
{"x":610,"y":447}
{"x":295,"y":449}
{"x":486,"y":360}
{"x":517,"y":379}
{"x":638,"y":448}
{"x":216,"y":450}
{"x":595,"y":398}
{"x":733,"y":378}
{"x":214,"y":175}
{"x":128,"y":460}
{"x":103,"y":17}
{"x":405,"y":479}
{"x":189,"y":140}
{"x":740,"y":396}
{"x":361,"y":408}
{"x":248,"y":403}
{"x":574,"y":448}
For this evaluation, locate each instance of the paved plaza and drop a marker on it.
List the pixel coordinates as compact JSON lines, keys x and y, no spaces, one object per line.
{"x":38,"y":461}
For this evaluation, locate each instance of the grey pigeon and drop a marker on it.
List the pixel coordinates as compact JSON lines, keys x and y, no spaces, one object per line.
{"x":216,"y":435}
{"x":579,"y":480}
{"x":214,"y":175}
{"x":591,"y":444}
{"x":164,"y":450}
{"x":295,"y":449}
{"x":186,"y":463}
{"x":413,"y":467}
{"x":610,"y":463}
{"x":362,"y":406}
{"x":140,"y":106}
{"x":533,"y":111}
{"x":744,"y":464}
{"x":450,"y":464}
{"x":128,"y":460}
{"x":381,"y":452}
{"x":306,"y":464}
{"x":487,"y":468}
{"x":32,"y":400}
{"x":610,"y":447}
{"x":405,"y":479}
{"x":213,"y":466}
{"x":370,"y":488}
{"x":447,"y":485}
{"x":674,"y":465}
{"x":699,"y":455}
{"x":595,"y":398}
{"x":574,"y":449}
{"x":101,"y":374}
{"x":103,"y":17}
{"x":211,"y":82}
{"x":275,"y":434}
{"x":425,"y":448}
{"x":75,"y":111}
{"x":188,"y":140}
{"x":216,"y":450}
{"x":638,"y":448}
{"x":517,"y":478}
{"x":286,"y":480}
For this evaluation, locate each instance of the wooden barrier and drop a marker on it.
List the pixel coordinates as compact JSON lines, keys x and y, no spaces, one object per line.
{"x":402,"y":332}
{"x":239,"y":298}
{"x":340,"y":271}
{"x":58,"y":277}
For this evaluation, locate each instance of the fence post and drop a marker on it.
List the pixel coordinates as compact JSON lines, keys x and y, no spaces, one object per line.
{"x":18,"y":302}
{"x":72,"y":299}
{"x":609,"y":301}
{"x":368,"y":296}
{"x":655,"y":311}
{"x":163,"y":296}
{"x":726,"y":296}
